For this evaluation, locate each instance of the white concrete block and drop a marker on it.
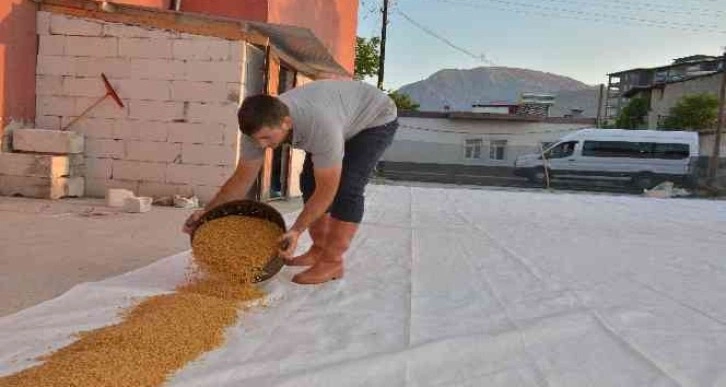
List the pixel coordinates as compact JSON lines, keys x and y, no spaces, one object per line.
{"x":196,"y":133}
{"x":196,"y":174}
{"x":46,"y":105}
{"x":55,"y":65}
{"x":199,"y":91}
{"x":49,"y":85}
{"x":213,"y":71}
{"x":208,"y":154}
{"x":156,"y":110}
{"x":68,"y":25}
{"x":98,"y":187}
{"x":232,"y":135}
{"x":145,"y":48}
{"x":128,"y":130}
{"x":41,"y":187}
{"x":34,"y":165}
{"x":223,"y":113}
{"x":141,"y":130}
{"x":154,"y":131}
{"x":114,"y":68}
{"x":152,"y":151}
{"x":48,"y":122}
{"x":47,"y":141}
{"x":143,"y":89}
{"x":201,"y":49}
{"x":129,"y":31}
{"x":235,"y":92}
{"x":83,"y":87}
{"x":115,"y":197}
{"x":98,"y":148}
{"x":163,"y":69}
{"x":98,"y":168}
{"x":237,"y":51}
{"x":138,"y":204}
{"x":52,"y":45}
{"x":96,"y":128}
{"x":97,"y":47}
{"x":138,"y":170}
{"x":43,"y":22}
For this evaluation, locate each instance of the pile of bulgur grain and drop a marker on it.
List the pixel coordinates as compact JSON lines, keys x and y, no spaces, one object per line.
{"x":161,"y":334}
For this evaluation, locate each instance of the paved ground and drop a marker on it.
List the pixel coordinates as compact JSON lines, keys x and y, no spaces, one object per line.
{"x":46,"y":246}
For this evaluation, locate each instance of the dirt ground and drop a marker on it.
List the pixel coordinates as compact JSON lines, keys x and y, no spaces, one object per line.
{"x":47,"y":247}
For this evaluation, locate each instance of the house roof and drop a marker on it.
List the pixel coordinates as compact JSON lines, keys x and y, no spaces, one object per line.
{"x":680,"y":64}
{"x":639,"y":89}
{"x":296,"y":45}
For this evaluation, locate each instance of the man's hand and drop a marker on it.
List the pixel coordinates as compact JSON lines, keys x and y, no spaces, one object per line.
{"x":288,"y":244}
{"x":191,"y":223}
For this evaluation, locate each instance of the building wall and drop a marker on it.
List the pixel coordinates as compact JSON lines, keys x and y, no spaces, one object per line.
{"x":161,"y":4}
{"x":707,"y":142}
{"x":256,"y":10}
{"x":18,"y":47}
{"x":334,"y":22}
{"x":442,"y":141}
{"x":178,"y":131}
{"x":662,"y":100}
{"x":338,"y":30}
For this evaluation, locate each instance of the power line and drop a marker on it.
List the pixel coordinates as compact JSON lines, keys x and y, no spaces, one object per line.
{"x":588,"y":16}
{"x":446,"y":41}
{"x":640,"y":6}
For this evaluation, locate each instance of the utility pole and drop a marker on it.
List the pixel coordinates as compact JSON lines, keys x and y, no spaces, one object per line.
{"x":598,"y":121}
{"x":715,"y":156}
{"x":382,"y":56}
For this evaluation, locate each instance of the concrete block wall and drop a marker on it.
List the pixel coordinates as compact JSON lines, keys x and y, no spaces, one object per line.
{"x":41,"y":175}
{"x":178,"y":131}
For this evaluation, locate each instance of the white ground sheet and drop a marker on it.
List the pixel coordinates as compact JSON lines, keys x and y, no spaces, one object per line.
{"x":454,"y":287}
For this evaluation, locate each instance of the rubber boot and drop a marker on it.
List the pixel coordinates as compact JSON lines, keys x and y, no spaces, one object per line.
{"x":330,"y":264}
{"x":318,"y":232}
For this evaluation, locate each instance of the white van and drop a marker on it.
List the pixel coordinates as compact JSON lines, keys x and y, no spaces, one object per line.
{"x":644,"y":158}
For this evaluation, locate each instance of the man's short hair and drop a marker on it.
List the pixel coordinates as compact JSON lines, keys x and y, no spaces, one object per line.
{"x":261,"y":110}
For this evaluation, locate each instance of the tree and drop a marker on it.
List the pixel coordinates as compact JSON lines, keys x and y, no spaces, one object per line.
{"x":403,"y":101}
{"x":633,"y":114}
{"x":367,"y":52}
{"x":694,"y":112}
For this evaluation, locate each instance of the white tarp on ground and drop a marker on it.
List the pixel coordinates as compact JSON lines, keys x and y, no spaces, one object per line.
{"x":453,"y":287}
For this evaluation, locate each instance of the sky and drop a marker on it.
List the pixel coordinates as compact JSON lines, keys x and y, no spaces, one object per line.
{"x":582,"y":39}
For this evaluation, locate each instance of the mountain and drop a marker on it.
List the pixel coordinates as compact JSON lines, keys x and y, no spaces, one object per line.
{"x":461,"y":88}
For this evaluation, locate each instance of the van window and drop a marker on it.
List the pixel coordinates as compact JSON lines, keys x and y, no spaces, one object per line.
{"x":566,"y":149}
{"x":637,"y":150}
{"x":671,"y":151}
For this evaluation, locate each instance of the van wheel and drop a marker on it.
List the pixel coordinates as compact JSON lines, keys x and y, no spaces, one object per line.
{"x":644,"y":181}
{"x":539,"y":177}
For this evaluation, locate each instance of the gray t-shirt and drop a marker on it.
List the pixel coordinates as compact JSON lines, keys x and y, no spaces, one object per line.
{"x":327,"y":113}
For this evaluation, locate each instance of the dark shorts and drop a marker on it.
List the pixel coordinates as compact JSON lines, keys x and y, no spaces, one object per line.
{"x":362,"y":153}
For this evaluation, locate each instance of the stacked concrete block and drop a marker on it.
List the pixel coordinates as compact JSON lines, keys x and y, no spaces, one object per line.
{"x":47,"y":141}
{"x":45,"y":164}
{"x":178,"y":132}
